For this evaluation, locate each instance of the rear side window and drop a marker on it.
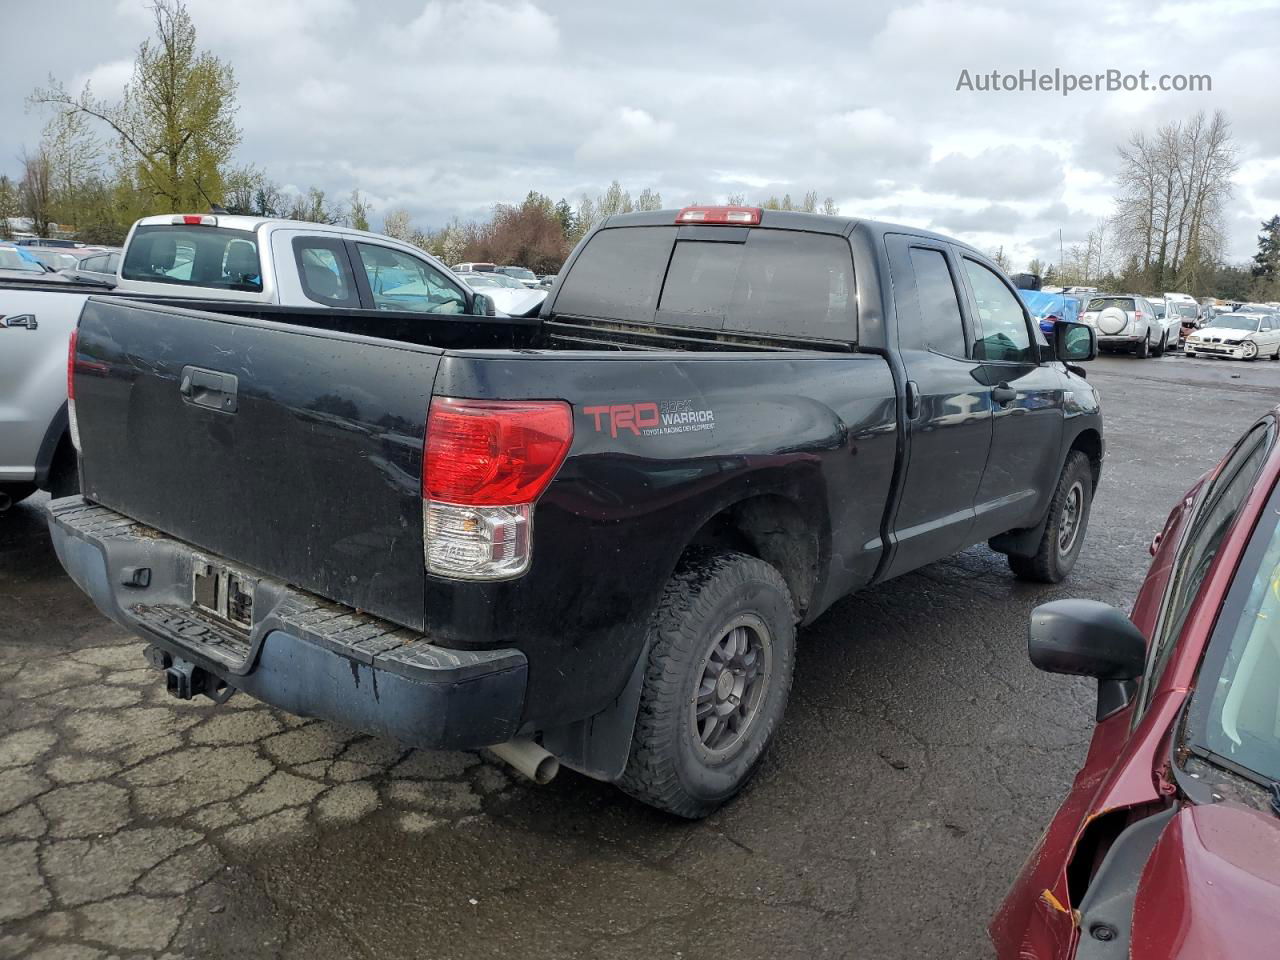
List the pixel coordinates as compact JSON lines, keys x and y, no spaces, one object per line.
{"x":618,"y":275}
{"x":194,"y":256}
{"x":941,"y":328}
{"x":324,"y":270}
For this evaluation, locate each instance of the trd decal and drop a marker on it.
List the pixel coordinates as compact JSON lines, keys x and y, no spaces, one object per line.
{"x":650,"y":419}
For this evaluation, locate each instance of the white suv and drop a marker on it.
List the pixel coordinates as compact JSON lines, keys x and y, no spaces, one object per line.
{"x":1126,"y":321}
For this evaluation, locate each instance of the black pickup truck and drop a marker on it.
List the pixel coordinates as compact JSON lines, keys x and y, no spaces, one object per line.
{"x":584,"y":538}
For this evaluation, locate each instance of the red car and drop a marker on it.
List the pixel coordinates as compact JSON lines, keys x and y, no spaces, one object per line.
{"x":1168,"y":845}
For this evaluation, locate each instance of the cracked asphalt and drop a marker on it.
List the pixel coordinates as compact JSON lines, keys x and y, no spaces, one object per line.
{"x":921,"y":757}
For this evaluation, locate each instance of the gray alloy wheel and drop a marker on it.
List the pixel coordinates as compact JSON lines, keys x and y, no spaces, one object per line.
{"x":1072,"y":518}
{"x":735,"y":676}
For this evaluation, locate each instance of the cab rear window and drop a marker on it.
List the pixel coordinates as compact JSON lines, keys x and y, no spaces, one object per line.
{"x":716,"y":278}
{"x":194,"y":256}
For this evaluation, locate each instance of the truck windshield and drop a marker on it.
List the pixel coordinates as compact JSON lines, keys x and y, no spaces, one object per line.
{"x":1236,"y":711}
{"x":194,"y":256}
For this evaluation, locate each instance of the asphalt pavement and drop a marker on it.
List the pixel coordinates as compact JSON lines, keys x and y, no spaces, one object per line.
{"x":921,"y":757}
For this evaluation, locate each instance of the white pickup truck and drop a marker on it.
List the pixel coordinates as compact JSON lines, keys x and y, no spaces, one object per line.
{"x":215,"y":259}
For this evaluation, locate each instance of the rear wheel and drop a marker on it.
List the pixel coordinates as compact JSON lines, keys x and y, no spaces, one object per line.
{"x":1064,"y":532}
{"x":721,"y":655}
{"x":1276,"y":355}
{"x":1143,"y":350}
{"x":1164,"y":343}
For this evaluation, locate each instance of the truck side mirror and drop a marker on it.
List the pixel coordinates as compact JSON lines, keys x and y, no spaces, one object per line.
{"x":483,"y":306}
{"x":1090,"y":639}
{"x":1074,"y":342}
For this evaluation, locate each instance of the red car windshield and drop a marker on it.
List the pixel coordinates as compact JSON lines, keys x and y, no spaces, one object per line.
{"x":1236,"y":711}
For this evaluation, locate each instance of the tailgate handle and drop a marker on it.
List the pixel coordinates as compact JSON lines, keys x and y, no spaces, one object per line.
{"x":209,"y":388}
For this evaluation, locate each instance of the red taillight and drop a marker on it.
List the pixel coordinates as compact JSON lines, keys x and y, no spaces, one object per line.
{"x":733,"y":216}
{"x":71,"y":366}
{"x":493,"y":452}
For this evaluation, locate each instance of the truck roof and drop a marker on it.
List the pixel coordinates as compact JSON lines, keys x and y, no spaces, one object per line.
{"x":234,"y":221}
{"x":790,"y":220}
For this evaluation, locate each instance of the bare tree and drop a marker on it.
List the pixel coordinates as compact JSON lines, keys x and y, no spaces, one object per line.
{"x":35,"y":192}
{"x":1173,"y":189}
{"x":358,"y":211}
{"x":649,"y":199}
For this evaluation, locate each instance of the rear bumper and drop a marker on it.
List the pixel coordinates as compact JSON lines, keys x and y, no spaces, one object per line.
{"x":302,"y":654}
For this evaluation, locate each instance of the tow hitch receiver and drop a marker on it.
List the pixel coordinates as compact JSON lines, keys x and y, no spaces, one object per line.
{"x":184,"y":680}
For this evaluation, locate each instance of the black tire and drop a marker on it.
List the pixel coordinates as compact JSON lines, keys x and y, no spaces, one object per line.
{"x":1143,"y":350}
{"x":1051,"y":562}
{"x":16,"y":492}
{"x":708,"y":598}
{"x":1276,"y":355}
{"x":1192,"y":354}
{"x":1164,"y":342}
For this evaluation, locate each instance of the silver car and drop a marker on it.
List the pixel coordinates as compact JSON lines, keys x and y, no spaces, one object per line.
{"x":1126,"y":321}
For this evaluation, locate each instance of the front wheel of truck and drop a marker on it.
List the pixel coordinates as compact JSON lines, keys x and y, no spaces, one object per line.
{"x":721,"y":657}
{"x":1065,"y":529}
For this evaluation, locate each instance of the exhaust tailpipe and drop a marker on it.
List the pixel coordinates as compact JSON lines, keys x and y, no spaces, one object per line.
{"x":529,"y":758}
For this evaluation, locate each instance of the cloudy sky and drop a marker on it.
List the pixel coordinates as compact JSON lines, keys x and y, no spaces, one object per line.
{"x":445,"y":107}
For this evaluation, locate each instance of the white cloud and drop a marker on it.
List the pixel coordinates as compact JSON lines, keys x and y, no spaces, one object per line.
{"x":448,"y":106}
{"x":626,"y":135}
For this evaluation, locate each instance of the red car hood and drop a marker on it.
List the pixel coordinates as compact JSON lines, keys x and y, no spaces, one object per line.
{"x":1211,"y":888}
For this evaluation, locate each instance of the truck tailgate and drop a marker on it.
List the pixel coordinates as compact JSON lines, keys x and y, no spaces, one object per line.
{"x":294,"y":451}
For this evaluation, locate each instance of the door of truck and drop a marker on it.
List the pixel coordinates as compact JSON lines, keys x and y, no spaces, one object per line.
{"x":948,"y":404}
{"x":1027,"y":405}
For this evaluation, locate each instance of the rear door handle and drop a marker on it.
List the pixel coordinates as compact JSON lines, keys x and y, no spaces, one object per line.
{"x":1002,"y":393}
{"x":209,"y":388}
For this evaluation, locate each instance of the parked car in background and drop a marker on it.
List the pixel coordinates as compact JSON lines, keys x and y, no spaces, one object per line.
{"x":370,"y":282}
{"x":508,"y":294}
{"x":1166,"y":846}
{"x":54,"y":259}
{"x":1049,"y":308}
{"x":523,"y":274}
{"x":547,"y":279}
{"x":101,"y":265}
{"x":473,"y":268}
{"x":1125,"y":321}
{"x":49,"y":242}
{"x":1185,"y":315}
{"x":17,"y":263}
{"x":1243,"y":335}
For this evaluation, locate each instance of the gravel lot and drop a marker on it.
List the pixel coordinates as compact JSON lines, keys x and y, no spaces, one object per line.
{"x":921,"y":757}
